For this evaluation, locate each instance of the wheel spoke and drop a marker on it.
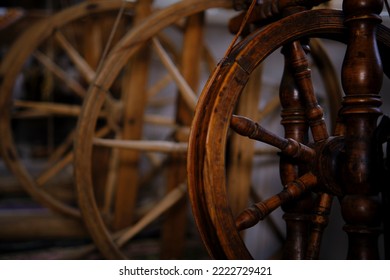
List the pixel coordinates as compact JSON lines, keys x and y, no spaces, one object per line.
{"x":187,"y":93}
{"x":160,"y":120}
{"x":59,"y":73}
{"x":54,"y":169}
{"x":143,"y":145}
{"x":297,"y":60}
{"x":253,"y":130}
{"x":67,"y":159}
{"x":293,"y":190}
{"x":74,"y":55}
{"x":48,"y":108}
{"x":163,"y":205}
{"x":320,"y":221}
{"x":60,"y":151}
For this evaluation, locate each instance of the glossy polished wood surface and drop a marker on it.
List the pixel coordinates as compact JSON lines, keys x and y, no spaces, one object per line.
{"x":317,"y":163}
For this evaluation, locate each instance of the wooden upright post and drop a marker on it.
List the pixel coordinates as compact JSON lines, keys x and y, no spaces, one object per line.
{"x":362,"y":80}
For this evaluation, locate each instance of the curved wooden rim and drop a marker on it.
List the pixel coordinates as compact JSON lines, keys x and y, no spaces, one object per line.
{"x":210,"y":125}
{"x":207,"y":146}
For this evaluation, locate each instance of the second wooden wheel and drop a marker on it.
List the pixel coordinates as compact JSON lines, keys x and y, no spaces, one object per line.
{"x":147,"y":124}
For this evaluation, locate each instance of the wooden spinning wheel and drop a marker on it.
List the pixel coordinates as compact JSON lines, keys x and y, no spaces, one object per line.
{"x":109,"y":234}
{"x":313,"y":168}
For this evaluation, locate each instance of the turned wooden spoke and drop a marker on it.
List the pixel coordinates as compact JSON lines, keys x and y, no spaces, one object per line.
{"x":296,"y":58}
{"x":253,"y":130}
{"x":295,"y":126}
{"x":293,"y":190}
{"x":187,"y":93}
{"x":59,"y":73}
{"x":320,"y":220}
{"x":80,"y":63}
{"x":270,"y":220}
{"x":143,"y":145}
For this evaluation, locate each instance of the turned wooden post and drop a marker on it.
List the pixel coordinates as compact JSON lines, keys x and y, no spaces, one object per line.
{"x":361,"y":79}
{"x":300,"y":111}
{"x":295,"y":127}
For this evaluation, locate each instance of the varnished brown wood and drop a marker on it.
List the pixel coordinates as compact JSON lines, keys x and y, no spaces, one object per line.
{"x":340,"y":165}
{"x":295,"y":126}
{"x":288,"y":147}
{"x":320,"y":220}
{"x":293,"y":190}
{"x":362,"y":80}
{"x":360,"y":110}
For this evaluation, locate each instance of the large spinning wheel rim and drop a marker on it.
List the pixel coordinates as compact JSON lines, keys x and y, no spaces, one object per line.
{"x":94,"y":101}
{"x":11,"y":66}
{"x":206,"y":146}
